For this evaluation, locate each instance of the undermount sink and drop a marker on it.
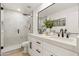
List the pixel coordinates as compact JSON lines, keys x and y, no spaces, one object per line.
{"x":64,"y":39}
{"x":70,"y":39}
{"x":61,"y":38}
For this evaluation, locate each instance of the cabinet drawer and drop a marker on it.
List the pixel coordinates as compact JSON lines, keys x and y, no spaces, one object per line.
{"x":35,"y":41}
{"x":38,"y":43}
{"x":39,"y":52}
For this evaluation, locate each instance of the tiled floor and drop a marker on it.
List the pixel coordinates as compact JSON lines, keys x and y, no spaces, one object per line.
{"x":17,"y":52}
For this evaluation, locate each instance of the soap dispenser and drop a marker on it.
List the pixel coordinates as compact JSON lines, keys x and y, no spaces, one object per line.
{"x":58,"y":34}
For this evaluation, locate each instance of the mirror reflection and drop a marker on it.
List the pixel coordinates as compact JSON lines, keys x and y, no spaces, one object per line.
{"x":63,"y":16}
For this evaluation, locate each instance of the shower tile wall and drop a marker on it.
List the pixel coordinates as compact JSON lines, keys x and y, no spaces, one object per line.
{"x":13,"y":21}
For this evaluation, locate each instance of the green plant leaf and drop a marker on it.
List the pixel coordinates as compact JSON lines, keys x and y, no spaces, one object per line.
{"x":48,"y":23}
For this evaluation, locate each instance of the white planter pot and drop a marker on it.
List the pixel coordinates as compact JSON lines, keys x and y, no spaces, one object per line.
{"x":48,"y":31}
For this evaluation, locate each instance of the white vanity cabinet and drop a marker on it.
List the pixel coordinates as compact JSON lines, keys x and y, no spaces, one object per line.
{"x":39,"y":47}
{"x":58,"y":51}
{"x":35,"y":47}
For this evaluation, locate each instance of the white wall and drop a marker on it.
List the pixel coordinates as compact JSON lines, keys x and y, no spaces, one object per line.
{"x":71,"y":15}
{"x":35,"y":16}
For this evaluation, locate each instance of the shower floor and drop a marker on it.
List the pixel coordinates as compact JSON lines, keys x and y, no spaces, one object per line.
{"x":17,"y":52}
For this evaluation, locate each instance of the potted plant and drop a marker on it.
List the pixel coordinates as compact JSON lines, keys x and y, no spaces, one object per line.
{"x":48,"y":24}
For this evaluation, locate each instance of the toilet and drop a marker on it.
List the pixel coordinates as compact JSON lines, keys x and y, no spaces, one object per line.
{"x":24,"y":45}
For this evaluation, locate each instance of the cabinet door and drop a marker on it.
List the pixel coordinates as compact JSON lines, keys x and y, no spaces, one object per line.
{"x":38,"y":48}
{"x":30,"y":49}
{"x":47,"y":49}
{"x":57,"y":51}
{"x":63,"y":52}
{"x":47,"y":53}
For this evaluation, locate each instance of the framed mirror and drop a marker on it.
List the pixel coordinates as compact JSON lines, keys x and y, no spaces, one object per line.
{"x":64,"y":15}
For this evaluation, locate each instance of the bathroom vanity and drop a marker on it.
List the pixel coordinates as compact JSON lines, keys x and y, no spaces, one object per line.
{"x":42,"y":45}
{"x":64,"y":16}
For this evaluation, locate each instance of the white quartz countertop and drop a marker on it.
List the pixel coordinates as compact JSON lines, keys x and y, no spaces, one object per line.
{"x":68,"y":43}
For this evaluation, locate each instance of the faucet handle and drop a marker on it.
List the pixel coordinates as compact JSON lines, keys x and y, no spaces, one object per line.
{"x":65,"y":31}
{"x":67,"y":36}
{"x":58,"y":34}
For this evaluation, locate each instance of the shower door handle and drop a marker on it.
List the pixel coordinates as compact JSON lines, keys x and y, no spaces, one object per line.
{"x":30,"y":45}
{"x":18,"y":31}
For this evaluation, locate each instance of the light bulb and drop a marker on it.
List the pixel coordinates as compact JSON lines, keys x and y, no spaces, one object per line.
{"x":19,"y":9}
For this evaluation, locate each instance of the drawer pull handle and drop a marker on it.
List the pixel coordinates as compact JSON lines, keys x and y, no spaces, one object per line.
{"x":38,"y":42}
{"x":38,"y":51}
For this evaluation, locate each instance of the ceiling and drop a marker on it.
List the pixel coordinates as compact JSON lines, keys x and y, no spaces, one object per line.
{"x":57,"y":7}
{"x":25,"y":8}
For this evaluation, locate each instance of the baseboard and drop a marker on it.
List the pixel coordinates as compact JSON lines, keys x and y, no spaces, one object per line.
{"x":6,"y":49}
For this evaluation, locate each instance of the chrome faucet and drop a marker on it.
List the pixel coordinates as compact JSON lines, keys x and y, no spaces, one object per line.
{"x":62,"y":32}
